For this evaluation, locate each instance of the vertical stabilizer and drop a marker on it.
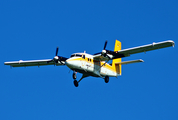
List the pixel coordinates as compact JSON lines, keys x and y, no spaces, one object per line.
{"x":117,"y":67}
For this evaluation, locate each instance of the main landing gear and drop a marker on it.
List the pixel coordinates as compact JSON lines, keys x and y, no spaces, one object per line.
{"x":76,"y":83}
{"x":106,"y":79}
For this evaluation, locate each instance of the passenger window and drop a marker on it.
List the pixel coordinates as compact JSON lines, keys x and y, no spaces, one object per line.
{"x":83,"y":57}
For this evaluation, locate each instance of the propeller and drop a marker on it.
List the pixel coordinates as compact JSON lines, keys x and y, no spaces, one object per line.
{"x":57,"y":51}
{"x":104,"y":51}
{"x":57,"y":58}
{"x":105,"y":44}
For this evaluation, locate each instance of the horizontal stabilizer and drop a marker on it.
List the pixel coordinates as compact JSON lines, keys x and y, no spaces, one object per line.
{"x":129,"y":62}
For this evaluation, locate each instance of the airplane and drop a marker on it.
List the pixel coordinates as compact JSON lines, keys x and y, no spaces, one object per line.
{"x":95,"y":65}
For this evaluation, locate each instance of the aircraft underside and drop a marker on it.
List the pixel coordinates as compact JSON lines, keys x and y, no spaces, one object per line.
{"x":95,"y":65}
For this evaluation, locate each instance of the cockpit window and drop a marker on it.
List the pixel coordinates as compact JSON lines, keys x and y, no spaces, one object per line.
{"x":72,"y":55}
{"x":76,"y":55}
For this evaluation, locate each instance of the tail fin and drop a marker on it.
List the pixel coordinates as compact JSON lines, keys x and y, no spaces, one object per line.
{"x":117,"y":67}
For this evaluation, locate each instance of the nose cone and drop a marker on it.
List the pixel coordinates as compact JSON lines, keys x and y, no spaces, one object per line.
{"x":71,"y":63}
{"x":68,"y":62}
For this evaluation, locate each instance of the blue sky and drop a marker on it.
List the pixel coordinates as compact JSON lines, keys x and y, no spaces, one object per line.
{"x":33,"y":29}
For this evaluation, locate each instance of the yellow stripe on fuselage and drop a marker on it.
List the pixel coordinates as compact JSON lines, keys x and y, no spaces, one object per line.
{"x":107,"y":66}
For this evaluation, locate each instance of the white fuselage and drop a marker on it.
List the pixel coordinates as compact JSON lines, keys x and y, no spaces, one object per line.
{"x":84,"y":63}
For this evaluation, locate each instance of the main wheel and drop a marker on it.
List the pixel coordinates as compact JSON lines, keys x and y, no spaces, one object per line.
{"x":106,"y":79}
{"x":74,"y":76}
{"x":76,"y":83}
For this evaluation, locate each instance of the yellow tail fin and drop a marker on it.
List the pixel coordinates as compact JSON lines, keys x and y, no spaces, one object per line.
{"x":117,"y":67}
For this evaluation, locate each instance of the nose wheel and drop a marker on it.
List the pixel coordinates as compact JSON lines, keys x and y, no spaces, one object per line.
{"x":76,"y":83}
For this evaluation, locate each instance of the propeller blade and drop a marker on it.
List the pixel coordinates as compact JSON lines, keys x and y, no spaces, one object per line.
{"x":57,"y":51}
{"x":105,"y":44}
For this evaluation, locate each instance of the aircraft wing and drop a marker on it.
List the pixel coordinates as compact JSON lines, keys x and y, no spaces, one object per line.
{"x":144,"y":48}
{"x":100,"y":57}
{"x":28,"y":63}
{"x":127,"y":52}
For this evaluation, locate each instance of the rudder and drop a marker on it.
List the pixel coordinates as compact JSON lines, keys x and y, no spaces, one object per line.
{"x":117,"y":67}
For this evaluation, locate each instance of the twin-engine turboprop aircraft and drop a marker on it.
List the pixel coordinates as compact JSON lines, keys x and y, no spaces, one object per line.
{"x":95,"y":65}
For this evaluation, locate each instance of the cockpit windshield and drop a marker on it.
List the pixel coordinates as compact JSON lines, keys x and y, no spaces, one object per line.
{"x":76,"y":55}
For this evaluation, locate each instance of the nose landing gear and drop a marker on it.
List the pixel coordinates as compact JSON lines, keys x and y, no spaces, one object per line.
{"x":74,"y":75}
{"x":76,"y":83}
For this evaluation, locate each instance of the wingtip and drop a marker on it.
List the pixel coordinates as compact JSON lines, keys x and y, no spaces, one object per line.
{"x":141,"y":60}
{"x":172,"y":42}
{"x":6,"y":63}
